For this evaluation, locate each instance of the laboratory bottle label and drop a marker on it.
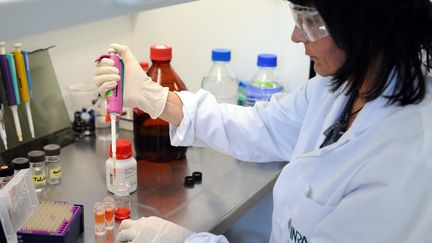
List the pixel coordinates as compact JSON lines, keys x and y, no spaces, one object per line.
{"x":254,"y":94}
{"x":39,"y":179}
{"x":55,"y":173}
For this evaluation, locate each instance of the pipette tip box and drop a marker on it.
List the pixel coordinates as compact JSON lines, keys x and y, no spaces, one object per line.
{"x":67,"y":232}
{"x":19,"y":202}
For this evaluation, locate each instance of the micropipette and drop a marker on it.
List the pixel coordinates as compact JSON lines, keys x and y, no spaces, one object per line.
{"x":23,"y":84}
{"x":114,"y":102}
{"x":27,"y":68}
{"x":7,"y":67}
{"x":2,"y":126}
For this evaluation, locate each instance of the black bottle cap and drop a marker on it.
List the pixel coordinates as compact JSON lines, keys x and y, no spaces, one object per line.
{"x":36,"y":156}
{"x":52,"y":149}
{"x":197,"y":176}
{"x":6,"y":170}
{"x":20,"y":163}
{"x":189,"y":181}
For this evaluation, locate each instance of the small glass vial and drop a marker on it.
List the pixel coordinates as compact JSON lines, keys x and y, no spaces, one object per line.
{"x":109,"y":212}
{"x":38,"y":169}
{"x":99,"y":218}
{"x":122,"y":201}
{"x":6,"y":174}
{"x":54,"y":170}
{"x":20,"y":163}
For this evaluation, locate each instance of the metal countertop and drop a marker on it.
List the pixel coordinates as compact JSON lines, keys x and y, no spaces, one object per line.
{"x":229,"y":187}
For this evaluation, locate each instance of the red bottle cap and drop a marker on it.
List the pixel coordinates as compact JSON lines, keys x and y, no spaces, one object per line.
{"x":124,"y":149}
{"x":144,"y":65}
{"x":160,"y":52}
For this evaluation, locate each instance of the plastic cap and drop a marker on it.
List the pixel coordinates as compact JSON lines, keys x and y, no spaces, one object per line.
{"x":36,"y":156}
{"x":160,"y":52}
{"x":52,"y":149}
{"x":197,"y":176}
{"x":6,"y":170}
{"x":20,"y":163}
{"x":144,"y":65}
{"x":189,"y":181}
{"x":17,"y":45}
{"x":124,"y":149}
{"x":223,"y":55}
{"x":267,"y":60}
{"x":243,"y":83}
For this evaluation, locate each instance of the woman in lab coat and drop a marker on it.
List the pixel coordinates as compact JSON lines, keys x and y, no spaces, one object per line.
{"x":358,"y":136}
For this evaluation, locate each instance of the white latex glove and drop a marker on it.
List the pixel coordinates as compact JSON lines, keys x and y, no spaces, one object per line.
{"x":139,"y":90}
{"x":151,"y":230}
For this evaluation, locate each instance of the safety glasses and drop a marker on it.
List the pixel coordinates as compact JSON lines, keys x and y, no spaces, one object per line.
{"x":309,"y":21}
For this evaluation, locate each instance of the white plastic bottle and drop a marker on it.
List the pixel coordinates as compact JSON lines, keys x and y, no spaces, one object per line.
{"x":265,"y":82}
{"x":220,"y":80}
{"x":126,"y":167}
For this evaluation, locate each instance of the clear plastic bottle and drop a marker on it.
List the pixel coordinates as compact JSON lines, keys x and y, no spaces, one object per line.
{"x":151,"y":136}
{"x":126,"y":167}
{"x":241,"y":94}
{"x":220,"y":80}
{"x":54,"y":169}
{"x":265,"y":82}
{"x":38,"y":169}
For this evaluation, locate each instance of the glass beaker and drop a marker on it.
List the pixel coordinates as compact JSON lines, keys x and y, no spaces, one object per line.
{"x":122,"y":201}
{"x":81,"y":96}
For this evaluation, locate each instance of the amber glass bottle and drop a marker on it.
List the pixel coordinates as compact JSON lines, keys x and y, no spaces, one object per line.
{"x":151,"y":136}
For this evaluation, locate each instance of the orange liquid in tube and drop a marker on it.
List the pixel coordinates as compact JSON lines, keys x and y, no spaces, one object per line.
{"x":99,"y":218}
{"x":151,"y":136}
{"x":122,"y":213}
{"x":109,"y":214}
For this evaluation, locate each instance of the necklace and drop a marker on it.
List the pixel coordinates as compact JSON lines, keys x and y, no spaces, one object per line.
{"x":355,"y":112}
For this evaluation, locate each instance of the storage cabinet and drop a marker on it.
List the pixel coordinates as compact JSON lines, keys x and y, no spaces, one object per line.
{"x":20,"y":18}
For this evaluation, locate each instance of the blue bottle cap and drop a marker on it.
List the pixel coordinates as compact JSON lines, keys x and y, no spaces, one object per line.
{"x":223,"y":55}
{"x":267,"y":60}
{"x":243,"y":83}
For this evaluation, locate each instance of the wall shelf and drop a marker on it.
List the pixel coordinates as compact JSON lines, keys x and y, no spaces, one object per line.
{"x":20,"y":18}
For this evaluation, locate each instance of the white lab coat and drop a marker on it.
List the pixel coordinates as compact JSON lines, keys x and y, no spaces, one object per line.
{"x":372,"y":185}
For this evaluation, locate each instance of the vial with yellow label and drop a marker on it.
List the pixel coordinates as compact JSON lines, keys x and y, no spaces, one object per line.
{"x":38,"y":169}
{"x":54,"y":170}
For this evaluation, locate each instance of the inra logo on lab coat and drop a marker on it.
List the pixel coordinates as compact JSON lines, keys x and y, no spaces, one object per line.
{"x":295,"y":235}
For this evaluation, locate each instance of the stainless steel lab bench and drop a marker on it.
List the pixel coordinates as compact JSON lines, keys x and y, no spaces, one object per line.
{"x":229,"y":187}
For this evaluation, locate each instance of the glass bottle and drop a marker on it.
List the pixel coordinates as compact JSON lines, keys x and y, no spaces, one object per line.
{"x":38,"y":169}
{"x":6,"y":174}
{"x":151,"y":136}
{"x":220,"y":80}
{"x":54,"y":169}
{"x":20,"y":163}
{"x":265,"y":82}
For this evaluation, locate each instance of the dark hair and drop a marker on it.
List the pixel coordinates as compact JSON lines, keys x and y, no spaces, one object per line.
{"x":391,"y":34}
